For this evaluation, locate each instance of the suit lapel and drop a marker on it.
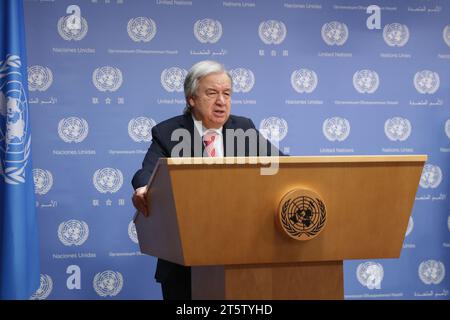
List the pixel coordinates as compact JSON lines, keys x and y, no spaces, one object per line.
{"x":227,"y":125}
{"x":188,"y":123}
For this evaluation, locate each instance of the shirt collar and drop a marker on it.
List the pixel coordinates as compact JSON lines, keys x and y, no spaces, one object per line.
{"x":201,"y":128}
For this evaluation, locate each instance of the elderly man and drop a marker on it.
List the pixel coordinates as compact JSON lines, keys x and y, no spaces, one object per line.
{"x":206,"y":118}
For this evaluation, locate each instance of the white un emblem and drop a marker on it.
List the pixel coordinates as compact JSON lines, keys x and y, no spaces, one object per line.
{"x":370,"y":274}
{"x":73,"y":232}
{"x":107,"y":78}
{"x":273,"y":129}
{"x":172,"y":79}
{"x":304,"y":80}
{"x":73,"y":129}
{"x":366,"y":81}
{"x":410,"y":226}
{"x":395,"y":34}
{"x":334,"y":33}
{"x":45,"y":288}
{"x":446,"y":35}
{"x":43,"y":181}
{"x":69,"y":28}
{"x":15,"y":138}
{"x":272,"y":31}
{"x":431,"y":176}
{"x":243,"y":79}
{"x":397,"y":128}
{"x":108,"y":283}
{"x":208,"y":30}
{"x":426,"y":81}
{"x":447,"y":128}
{"x":132,"y":232}
{"x":108,"y":180}
{"x":431,"y":272}
{"x":39,"y":78}
{"x":140,"y":129}
{"x":336,"y":129}
{"x":141,"y":29}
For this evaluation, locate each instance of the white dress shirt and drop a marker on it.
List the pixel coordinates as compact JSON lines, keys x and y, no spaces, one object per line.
{"x":218,"y":142}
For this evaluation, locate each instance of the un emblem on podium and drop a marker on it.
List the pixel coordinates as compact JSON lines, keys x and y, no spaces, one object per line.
{"x":302,"y":214}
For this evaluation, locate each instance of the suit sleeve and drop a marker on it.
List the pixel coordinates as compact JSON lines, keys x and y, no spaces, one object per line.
{"x":156,"y":151}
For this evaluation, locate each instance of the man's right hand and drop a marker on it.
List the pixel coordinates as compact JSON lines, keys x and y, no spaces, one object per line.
{"x":140,"y":200}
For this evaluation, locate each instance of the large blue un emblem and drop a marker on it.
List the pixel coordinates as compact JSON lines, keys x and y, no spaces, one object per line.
{"x":15,"y":139}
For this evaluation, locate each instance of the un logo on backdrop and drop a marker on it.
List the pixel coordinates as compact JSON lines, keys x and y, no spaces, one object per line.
{"x":366,"y":81}
{"x":140,"y":129}
{"x":431,"y":176}
{"x":272,"y":31}
{"x":243,"y":79}
{"x":395,"y":34}
{"x":73,"y":232}
{"x":410,"y":226}
{"x":107,"y":78}
{"x":208,"y":30}
{"x":39,"y":78}
{"x":431,"y":272}
{"x":70,"y":29}
{"x":304,"y":80}
{"x":108,"y":283}
{"x":141,"y":29}
{"x":73,"y":129}
{"x":45,"y":288}
{"x":108,"y":180}
{"x":132,"y":232}
{"x":273,"y":129}
{"x":446,"y":35}
{"x":426,"y":81}
{"x":334,"y":33}
{"x":336,"y":129}
{"x":370,"y":274}
{"x":447,"y":128}
{"x":397,"y":128}
{"x":172,"y":79}
{"x":43,"y":181}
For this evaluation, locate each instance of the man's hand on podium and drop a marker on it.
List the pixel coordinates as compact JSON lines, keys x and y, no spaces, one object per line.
{"x":140,"y":200}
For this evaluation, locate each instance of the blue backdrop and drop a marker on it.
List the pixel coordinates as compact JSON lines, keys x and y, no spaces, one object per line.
{"x":319,"y":76}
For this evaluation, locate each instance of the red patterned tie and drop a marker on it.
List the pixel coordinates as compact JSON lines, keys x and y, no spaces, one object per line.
{"x":208,"y":139}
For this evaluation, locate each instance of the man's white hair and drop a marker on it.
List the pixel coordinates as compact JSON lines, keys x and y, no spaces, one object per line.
{"x":198,"y":71}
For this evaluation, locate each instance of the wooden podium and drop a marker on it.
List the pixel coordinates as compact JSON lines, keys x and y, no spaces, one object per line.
{"x":221,"y":219}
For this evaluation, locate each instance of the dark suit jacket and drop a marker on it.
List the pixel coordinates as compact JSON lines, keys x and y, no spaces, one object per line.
{"x":162,"y":146}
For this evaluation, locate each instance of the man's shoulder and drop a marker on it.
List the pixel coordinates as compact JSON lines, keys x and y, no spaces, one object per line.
{"x":181,"y":120}
{"x":170,"y":123}
{"x":240,"y":122}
